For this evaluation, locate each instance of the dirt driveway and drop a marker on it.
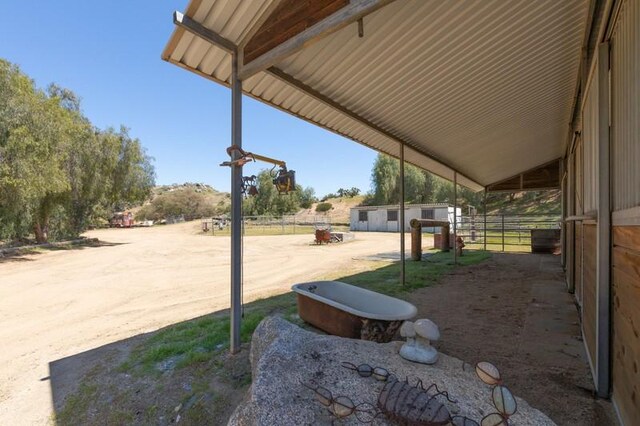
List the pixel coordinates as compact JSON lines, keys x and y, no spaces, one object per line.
{"x":60,"y":303}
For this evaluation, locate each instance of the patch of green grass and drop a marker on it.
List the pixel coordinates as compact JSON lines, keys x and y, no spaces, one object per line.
{"x":198,"y":340}
{"x":77,"y":405}
{"x":421,"y":274}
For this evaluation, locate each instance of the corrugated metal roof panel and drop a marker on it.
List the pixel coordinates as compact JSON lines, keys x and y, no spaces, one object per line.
{"x":625,"y":111}
{"x":484,"y":86}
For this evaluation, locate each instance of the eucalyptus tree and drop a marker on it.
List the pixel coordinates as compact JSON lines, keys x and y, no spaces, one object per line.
{"x":57,"y":171}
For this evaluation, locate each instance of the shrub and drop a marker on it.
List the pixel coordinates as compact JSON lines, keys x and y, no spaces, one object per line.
{"x":185,"y":202}
{"x":324,"y":207}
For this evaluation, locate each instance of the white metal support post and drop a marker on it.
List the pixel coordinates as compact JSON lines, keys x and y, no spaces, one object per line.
{"x":236,"y":206}
{"x":402,"y":254}
{"x":455,"y":218}
{"x":603,"y":288}
{"x":484,"y":225}
{"x":563,"y":208}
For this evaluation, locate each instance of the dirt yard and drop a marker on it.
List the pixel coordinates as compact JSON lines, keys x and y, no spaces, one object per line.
{"x":60,"y":303}
{"x":514,"y":311}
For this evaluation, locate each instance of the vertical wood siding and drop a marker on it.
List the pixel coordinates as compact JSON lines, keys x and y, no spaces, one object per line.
{"x":625,"y":103}
{"x":626,"y":322}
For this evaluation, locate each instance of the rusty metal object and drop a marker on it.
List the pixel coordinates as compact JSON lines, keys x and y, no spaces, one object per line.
{"x":413,"y":405}
{"x":328,"y":318}
{"x":340,"y":323}
{"x":323,"y":236}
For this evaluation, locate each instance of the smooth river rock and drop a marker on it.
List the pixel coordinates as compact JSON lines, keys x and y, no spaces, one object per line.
{"x":283,"y":356}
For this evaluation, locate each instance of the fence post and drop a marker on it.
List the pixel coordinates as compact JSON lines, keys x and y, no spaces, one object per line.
{"x":294,"y":225}
{"x":282,"y":224}
{"x":503,"y":232}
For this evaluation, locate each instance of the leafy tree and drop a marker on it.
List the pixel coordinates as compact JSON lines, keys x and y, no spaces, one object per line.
{"x":421,"y":187}
{"x":269,"y":203}
{"x":352,"y":192}
{"x":56,"y":170}
{"x":307,"y":196}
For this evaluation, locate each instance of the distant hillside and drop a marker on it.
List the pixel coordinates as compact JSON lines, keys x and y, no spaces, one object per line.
{"x":196,"y":187}
{"x":191,"y":200}
{"x":531,"y":202}
{"x":340,"y":208}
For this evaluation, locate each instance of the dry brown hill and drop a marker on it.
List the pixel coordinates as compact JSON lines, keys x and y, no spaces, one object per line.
{"x":340,"y":208}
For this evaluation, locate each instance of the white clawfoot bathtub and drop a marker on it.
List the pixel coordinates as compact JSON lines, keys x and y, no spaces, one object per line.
{"x":349,"y":311}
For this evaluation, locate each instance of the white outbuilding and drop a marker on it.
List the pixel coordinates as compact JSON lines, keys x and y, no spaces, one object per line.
{"x":386,"y":218}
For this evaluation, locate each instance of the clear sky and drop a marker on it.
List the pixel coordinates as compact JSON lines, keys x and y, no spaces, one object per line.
{"x":108,"y":53}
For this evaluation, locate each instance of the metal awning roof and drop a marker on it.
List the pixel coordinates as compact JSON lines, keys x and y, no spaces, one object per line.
{"x":484,"y":88}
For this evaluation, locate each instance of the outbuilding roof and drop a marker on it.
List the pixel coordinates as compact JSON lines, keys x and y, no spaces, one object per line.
{"x":482,"y":88}
{"x":406,"y":206}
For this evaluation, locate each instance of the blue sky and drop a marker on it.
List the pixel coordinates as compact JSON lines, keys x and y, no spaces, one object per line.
{"x":109,"y":54}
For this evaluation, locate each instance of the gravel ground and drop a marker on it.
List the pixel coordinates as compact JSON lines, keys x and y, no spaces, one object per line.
{"x":62,"y":302}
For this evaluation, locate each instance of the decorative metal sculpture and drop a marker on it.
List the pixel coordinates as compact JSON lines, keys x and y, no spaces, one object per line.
{"x":342,"y":406}
{"x":501,"y":396}
{"x":405,"y":404}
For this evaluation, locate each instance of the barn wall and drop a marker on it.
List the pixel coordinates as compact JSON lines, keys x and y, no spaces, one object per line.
{"x":625,"y":158}
{"x":585,"y":197}
{"x":377,"y":218}
{"x":625,"y":107}
{"x":578,"y":262}
{"x":626,"y":322}
{"x":589,"y":286}
{"x":590,"y":141}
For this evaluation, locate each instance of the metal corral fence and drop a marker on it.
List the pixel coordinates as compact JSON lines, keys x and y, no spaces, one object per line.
{"x":503,"y":232}
{"x":270,"y":225}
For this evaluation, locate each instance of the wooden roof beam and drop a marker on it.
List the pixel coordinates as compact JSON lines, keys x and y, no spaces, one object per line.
{"x":544,"y":177}
{"x":356,"y":10}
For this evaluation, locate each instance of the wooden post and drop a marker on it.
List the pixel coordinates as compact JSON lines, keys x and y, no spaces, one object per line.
{"x":446,"y":240}
{"x":416,"y":242}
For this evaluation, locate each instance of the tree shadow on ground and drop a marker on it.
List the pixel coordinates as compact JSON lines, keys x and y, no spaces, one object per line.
{"x":29,"y":254}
